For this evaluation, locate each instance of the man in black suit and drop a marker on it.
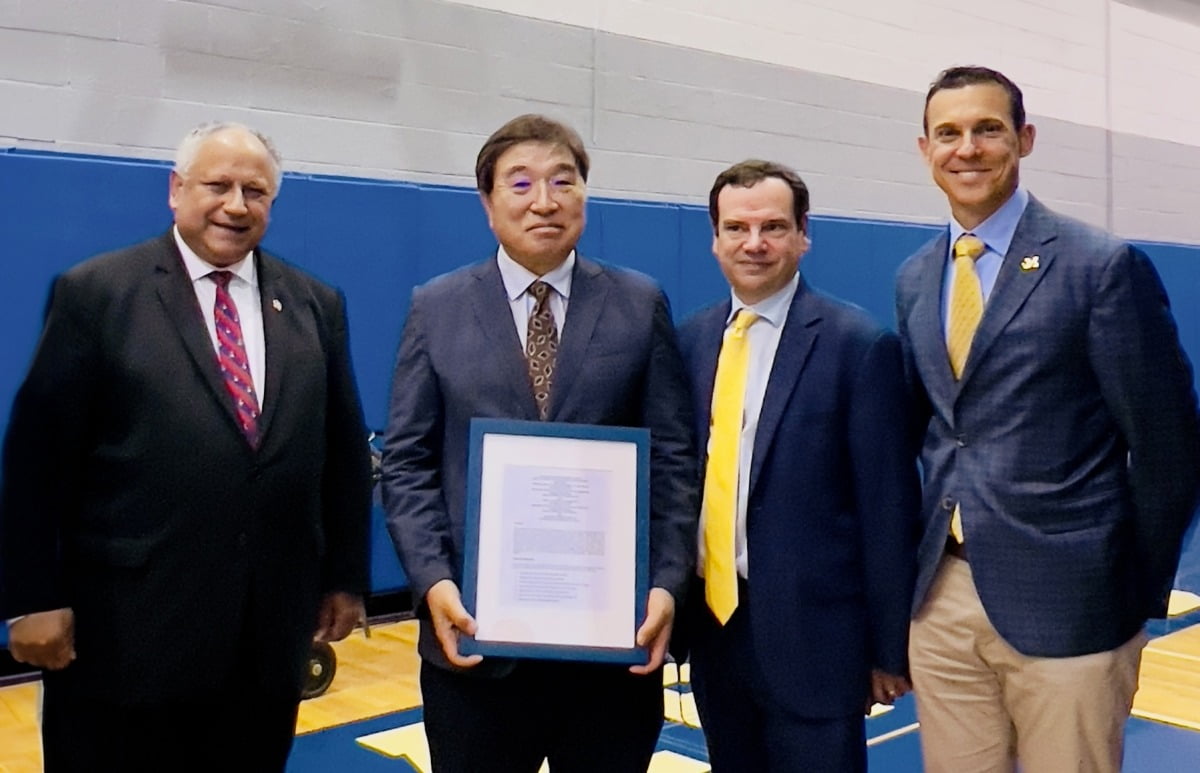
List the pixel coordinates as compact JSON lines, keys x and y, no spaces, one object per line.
{"x":186,"y":485}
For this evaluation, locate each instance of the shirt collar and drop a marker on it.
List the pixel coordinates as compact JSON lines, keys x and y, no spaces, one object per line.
{"x":773,"y":308}
{"x":997,"y":231}
{"x":517,"y":278}
{"x":198,"y":268}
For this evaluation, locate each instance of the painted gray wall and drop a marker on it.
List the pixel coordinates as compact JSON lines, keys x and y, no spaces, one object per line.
{"x":410,"y":88}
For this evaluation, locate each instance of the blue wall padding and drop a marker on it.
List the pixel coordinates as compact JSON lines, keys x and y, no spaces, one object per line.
{"x":376,"y":239}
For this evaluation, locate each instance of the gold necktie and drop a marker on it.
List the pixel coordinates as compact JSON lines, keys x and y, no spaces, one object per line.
{"x":966,"y":302}
{"x":721,"y":472}
{"x":966,"y":309}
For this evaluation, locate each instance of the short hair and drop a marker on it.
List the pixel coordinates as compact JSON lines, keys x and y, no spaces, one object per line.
{"x":527,"y":128}
{"x":971,"y":75}
{"x":746,"y":174}
{"x":185,"y":154}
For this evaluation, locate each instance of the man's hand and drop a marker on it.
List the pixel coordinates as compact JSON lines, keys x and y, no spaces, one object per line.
{"x":886,"y":688}
{"x":339,"y":613}
{"x":655,"y":632}
{"x":44,"y":639}
{"x":450,"y":618}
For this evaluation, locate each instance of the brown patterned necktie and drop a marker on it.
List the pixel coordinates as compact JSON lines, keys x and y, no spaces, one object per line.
{"x":541,"y":347}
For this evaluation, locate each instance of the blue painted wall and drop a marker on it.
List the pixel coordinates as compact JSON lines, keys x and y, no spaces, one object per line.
{"x":377,"y":239}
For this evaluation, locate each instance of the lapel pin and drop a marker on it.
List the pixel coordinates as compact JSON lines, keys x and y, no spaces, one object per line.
{"x":275,"y":304}
{"x":1030,"y":263}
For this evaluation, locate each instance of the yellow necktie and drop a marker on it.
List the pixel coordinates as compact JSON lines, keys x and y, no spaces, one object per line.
{"x":966,"y":301}
{"x":966,"y":309}
{"x":721,"y":473}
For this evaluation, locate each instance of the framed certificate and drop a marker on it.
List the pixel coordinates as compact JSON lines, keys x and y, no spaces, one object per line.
{"x":557,"y":540}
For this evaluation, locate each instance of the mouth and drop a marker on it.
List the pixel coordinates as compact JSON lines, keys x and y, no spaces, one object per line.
{"x":545,"y":228}
{"x":237,"y":229}
{"x":970,"y":175}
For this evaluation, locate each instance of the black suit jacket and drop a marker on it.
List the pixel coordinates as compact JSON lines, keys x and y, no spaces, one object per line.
{"x":131,"y":495}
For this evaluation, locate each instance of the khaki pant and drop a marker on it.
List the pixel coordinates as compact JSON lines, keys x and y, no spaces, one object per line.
{"x":983,"y":705}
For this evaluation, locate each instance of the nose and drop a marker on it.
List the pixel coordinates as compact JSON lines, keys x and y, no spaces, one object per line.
{"x":543,"y":198}
{"x":754,"y":241}
{"x":235,"y":201}
{"x":967,"y":147}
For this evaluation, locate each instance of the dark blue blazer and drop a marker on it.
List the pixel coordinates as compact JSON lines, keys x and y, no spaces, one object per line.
{"x":460,"y":357}
{"x":1070,"y":441}
{"x":831,"y":522}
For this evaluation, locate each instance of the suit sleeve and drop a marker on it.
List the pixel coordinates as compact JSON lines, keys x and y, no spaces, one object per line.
{"x":412,"y":453}
{"x":674,"y":497}
{"x":887,"y":497}
{"x":1146,"y":381}
{"x":346,"y":485}
{"x":45,"y":451}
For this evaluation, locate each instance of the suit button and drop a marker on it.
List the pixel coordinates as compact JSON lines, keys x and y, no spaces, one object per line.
{"x":961,"y":440}
{"x":242,"y":540}
{"x":947,"y":504}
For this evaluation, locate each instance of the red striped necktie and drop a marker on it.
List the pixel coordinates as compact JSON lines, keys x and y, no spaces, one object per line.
{"x":231,"y":354}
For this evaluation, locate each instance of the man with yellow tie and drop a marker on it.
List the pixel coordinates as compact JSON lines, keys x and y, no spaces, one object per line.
{"x":808,"y":520}
{"x":1060,"y":456}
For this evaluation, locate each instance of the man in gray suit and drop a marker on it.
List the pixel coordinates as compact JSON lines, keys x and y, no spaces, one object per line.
{"x":1060,"y":455}
{"x":484,"y":341}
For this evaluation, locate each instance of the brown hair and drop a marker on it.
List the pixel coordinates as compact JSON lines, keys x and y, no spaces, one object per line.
{"x":753,"y":171}
{"x":526,"y":128}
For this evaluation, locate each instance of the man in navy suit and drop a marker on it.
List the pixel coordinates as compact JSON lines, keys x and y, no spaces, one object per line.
{"x":1060,"y":455}
{"x":826,"y":498}
{"x":173,"y":539}
{"x":463,"y":355}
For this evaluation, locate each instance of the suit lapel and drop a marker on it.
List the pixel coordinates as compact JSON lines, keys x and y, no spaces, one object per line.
{"x":589,"y":288}
{"x":926,"y":326}
{"x":704,"y":370}
{"x":1015,"y":281}
{"x":271,"y":286}
{"x":178,"y":299}
{"x":494,"y":317}
{"x":795,"y":344}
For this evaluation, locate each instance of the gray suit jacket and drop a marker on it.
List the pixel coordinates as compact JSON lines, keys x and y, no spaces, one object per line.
{"x":460,"y":357}
{"x":1070,"y":441}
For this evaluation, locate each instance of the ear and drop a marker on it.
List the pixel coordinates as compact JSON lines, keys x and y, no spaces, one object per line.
{"x":174,"y":184}
{"x":1025,"y":139}
{"x":485,"y":199}
{"x":923,"y":146}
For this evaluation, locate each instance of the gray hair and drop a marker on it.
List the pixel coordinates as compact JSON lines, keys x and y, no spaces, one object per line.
{"x":186,"y":153}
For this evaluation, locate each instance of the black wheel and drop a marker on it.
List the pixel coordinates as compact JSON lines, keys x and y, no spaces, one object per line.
{"x":318,"y":675}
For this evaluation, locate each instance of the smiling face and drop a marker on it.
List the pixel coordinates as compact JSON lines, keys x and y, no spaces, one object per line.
{"x":973,"y":150}
{"x":222,"y":200}
{"x":536,"y":205}
{"x":758,"y":242}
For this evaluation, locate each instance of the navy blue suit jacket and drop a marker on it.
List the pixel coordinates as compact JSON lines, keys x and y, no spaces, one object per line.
{"x":1070,"y":440}
{"x":831,"y":521}
{"x":460,"y":357}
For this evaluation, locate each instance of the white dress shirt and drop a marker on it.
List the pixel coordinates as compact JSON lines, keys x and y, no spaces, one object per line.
{"x":763,"y":337}
{"x":244,"y":290}
{"x":517,"y":279}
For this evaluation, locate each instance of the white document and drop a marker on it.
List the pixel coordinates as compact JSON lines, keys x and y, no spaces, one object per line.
{"x":557,"y":541}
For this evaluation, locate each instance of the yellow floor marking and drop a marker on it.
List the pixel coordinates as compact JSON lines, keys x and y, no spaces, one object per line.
{"x":670,"y":762}
{"x":1182,"y":602}
{"x":406,"y":742}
